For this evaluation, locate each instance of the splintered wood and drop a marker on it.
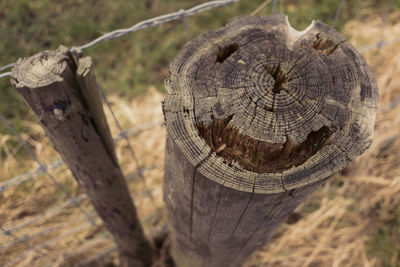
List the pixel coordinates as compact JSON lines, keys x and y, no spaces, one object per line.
{"x":258,"y":115}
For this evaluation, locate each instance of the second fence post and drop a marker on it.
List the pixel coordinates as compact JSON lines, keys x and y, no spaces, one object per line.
{"x":258,"y":115}
{"x":66,"y":101}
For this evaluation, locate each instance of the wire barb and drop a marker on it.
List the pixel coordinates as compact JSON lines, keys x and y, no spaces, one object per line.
{"x":158,"y":21}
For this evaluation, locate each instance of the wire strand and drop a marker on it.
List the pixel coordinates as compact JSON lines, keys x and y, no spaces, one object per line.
{"x":32,"y":174}
{"x":157,"y":21}
{"x":7,"y":66}
{"x":144,"y":24}
{"x":41,"y":165}
{"x":130,"y":148}
{"x":5,"y":74}
{"x":338,"y":12}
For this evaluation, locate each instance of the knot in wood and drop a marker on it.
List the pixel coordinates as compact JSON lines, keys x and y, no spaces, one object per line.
{"x":289,"y":108}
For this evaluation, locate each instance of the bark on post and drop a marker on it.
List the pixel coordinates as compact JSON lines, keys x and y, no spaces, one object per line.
{"x":65,"y":99}
{"x":258,"y":115}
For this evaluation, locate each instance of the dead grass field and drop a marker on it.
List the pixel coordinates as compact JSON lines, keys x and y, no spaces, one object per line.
{"x":353,"y":220}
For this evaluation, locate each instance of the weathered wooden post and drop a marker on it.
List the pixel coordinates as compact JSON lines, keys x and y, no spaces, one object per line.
{"x":258,"y":115}
{"x":65,"y":98}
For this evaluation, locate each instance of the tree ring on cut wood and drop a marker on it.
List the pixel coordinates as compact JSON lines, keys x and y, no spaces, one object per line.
{"x":288,"y":108}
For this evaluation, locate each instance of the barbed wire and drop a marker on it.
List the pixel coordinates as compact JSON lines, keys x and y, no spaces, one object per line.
{"x":181,"y":14}
{"x":17,"y":180}
{"x":185,"y":25}
{"x":157,"y":21}
{"x":48,"y":213}
{"x":47,"y":243}
{"x":128,"y":142}
{"x":49,"y":230}
{"x":362,"y":49}
{"x":378,"y":45}
{"x":5,"y":74}
{"x":55,"y":210}
{"x":43,"y":169}
{"x":125,"y":133}
{"x":8,"y":66}
{"x":41,"y":165}
{"x":32,"y":174}
{"x":122,"y":134}
{"x":68,"y":233}
{"x":19,"y":240}
{"x":273,"y":9}
{"x":338,"y":12}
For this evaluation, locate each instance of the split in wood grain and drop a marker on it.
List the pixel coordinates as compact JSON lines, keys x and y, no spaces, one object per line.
{"x":259,"y":156}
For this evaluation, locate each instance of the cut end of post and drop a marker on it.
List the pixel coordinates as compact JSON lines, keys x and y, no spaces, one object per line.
{"x":42,"y":69}
{"x":260,"y":107}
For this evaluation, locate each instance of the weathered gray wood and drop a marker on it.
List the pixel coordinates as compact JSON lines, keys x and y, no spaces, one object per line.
{"x":258,"y":115}
{"x":65,"y":99}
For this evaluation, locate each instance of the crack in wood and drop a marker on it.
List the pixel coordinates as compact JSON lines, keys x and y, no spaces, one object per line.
{"x":225,"y":52}
{"x":245,"y":209}
{"x":222,"y":186}
{"x":192,"y":193}
{"x":258,"y":156}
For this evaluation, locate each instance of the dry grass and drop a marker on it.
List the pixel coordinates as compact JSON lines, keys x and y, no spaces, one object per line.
{"x":334,"y":227}
{"x":79,"y":239}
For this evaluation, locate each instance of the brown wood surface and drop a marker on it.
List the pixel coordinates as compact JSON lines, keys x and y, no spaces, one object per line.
{"x":65,"y":99}
{"x":258,"y":115}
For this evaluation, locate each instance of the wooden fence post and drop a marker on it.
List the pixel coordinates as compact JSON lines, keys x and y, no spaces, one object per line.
{"x":65,"y":98}
{"x":258,"y":115}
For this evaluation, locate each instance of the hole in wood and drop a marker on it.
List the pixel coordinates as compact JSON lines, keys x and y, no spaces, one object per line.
{"x":279,"y":77}
{"x":325,"y":46}
{"x":317,"y":44}
{"x":258,"y":156}
{"x":226,"y":51}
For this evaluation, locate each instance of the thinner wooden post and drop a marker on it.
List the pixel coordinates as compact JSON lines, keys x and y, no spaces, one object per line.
{"x":65,"y":98}
{"x":258,"y":115}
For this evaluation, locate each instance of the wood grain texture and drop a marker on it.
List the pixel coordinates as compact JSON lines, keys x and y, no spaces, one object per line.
{"x":258,"y":115}
{"x":65,"y":99}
